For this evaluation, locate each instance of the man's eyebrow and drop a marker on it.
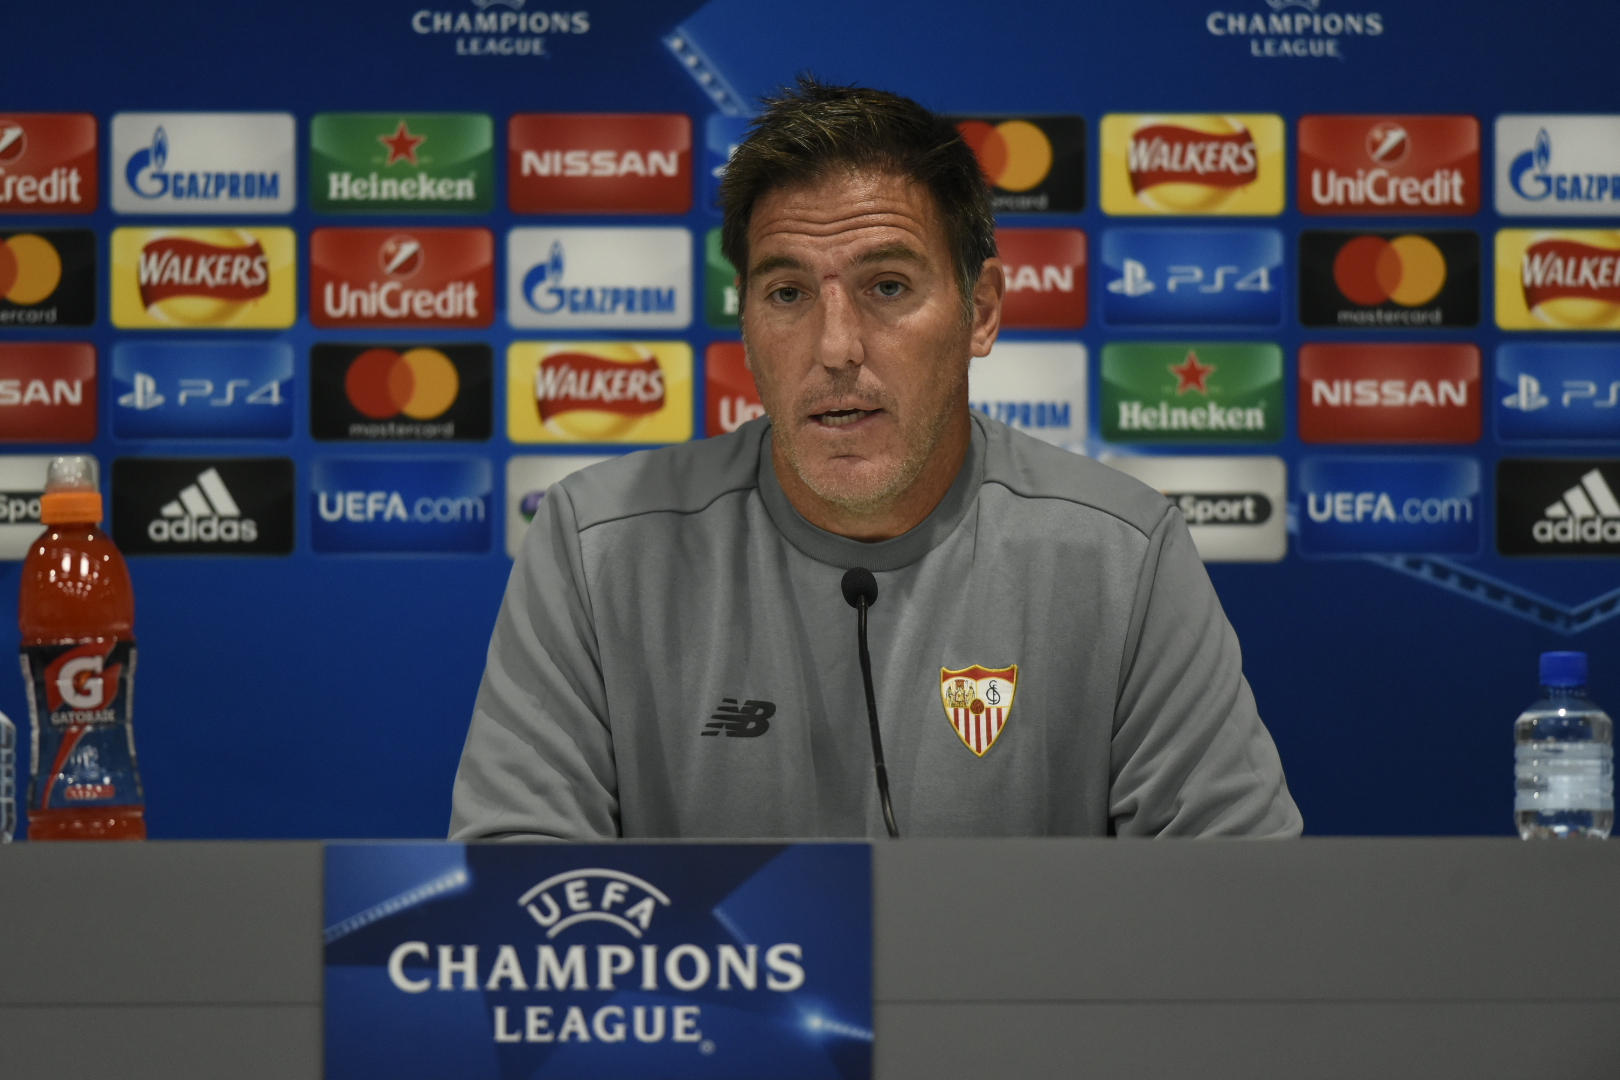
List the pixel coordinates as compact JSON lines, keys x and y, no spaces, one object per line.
{"x":776,"y":262}
{"x":888,"y":252}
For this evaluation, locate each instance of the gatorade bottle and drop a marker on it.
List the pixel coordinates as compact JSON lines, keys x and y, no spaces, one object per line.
{"x":77,"y":614}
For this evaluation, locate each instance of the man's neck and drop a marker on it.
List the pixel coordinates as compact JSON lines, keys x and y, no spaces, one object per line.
{"x":901,"y":515}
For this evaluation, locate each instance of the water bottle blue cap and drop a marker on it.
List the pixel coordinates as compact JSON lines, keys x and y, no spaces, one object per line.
{"x":1563,"y":669}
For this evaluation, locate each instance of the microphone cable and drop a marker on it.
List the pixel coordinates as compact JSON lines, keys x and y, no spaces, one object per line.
{"x":860,"y":592}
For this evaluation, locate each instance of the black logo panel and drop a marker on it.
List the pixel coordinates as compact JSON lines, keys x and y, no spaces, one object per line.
{"x":1550,"y":506}
{"x":401,"y":392}
{"x":1389,"y":280}
{"x":203,"y":506}
{"x":47,"y":278}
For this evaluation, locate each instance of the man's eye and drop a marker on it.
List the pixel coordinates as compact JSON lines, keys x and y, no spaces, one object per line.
{"x":787,"y":294}
{"x":890,"y":289}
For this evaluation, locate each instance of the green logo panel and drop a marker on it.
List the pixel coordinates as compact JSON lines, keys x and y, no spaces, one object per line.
{"x":402,"y":163}
{"x":1191,"y":392}
{"x":719,"y":285}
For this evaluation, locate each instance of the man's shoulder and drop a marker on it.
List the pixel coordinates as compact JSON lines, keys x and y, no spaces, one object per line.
{"x":685,"y":478}
{"x":1032,"y":469}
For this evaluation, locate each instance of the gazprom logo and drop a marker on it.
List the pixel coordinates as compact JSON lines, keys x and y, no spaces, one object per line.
{"x":1538,"y":159}
{"x":144,"y":172}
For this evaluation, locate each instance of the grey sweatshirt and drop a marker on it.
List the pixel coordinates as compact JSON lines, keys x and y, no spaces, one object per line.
{"x":674,"y":658}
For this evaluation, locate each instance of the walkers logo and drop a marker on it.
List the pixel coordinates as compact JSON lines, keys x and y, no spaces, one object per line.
{"x":1558,"y":166}
{"x":978,"y":703}
{"x":1236,"y":507}
{"x":599,"y":391}
{"x":427,"y":278}
{"x":1203,"y":277}
{"x":48,"y":278}
{"x":48,"y":163}
{"x":528,"y":478}
{"x":204,"y":163}
{"x":599,"y":163}
{"x":1389,"y":394}
{"x":1558,"y":392}
{"x":1389,"y":279}
{"x":1558,"y":279}
{"x":1033,"y":164}
{"x":202,"y":390}
{"x":1046,"y":278}
{"x":404,"y":392}
{"x":1389,"y":166}
{"x":732,"y":397}
{"x":402,"y":163}
{"x":186,"y":279}
{"x":203,"y":506}
{"x":1192,"y":164}
{"x":22,"y":482}
{"x":1038,"y":387}
{"x":599,"y":279}
{"x":720,"y":306}
{"x":1203,"y":392}
{"x":47,"y":392}
{"x":1548,"y":506}
{"x":1389,"y":505}
{"x":401,"y":505}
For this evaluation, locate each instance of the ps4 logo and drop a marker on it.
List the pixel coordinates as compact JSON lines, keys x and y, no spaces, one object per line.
{"x":1529,"y":397}
{"x":146,"y":395}
{"x":1134,"y":279}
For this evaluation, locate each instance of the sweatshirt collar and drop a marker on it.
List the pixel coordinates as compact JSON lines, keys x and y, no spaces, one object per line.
{"x":892,"y":554}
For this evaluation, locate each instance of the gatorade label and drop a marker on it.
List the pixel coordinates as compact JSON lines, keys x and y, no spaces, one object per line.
{"x":79,"y":697}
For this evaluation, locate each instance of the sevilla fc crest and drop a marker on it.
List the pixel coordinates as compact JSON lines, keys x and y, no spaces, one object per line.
{"x":978,"y":701}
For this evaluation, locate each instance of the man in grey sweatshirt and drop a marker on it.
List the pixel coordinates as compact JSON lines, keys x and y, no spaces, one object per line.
{"x":674,"y":657}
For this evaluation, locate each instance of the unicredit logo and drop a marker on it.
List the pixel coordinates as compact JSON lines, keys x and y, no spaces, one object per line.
{"x":1167,"y":153}
{"x":176,"y":266}
{"x":378,"y":277}
{"x":566,"y":382}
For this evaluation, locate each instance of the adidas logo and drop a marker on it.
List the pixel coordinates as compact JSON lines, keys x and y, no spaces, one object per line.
{"x":204,"y":511}
{"x":1587,"y":514}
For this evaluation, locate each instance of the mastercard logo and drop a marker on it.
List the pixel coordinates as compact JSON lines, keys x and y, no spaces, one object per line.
{"x":1014,"y":155}
{"x":419,"y":383}
{"x":1409,"y":270}
{"x":30,"y":268}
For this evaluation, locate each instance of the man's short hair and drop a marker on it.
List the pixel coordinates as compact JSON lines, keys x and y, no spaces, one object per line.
{"x":807,"y":132}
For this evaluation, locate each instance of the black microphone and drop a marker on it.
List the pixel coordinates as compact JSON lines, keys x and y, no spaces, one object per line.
{"x":860,"y":592}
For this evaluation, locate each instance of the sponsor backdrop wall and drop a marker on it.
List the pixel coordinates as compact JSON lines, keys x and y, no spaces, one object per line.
{"x":333,"y":291}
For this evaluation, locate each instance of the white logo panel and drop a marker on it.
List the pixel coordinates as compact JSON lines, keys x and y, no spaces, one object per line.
{"x":527,"y":478}
{"x":22,"y":482}
{"x":1038,"y":387}
{"x":1558,"y":166}
{"x":204,"y":163}
{"x":1236,"y":507}
{"x":599,"y":279}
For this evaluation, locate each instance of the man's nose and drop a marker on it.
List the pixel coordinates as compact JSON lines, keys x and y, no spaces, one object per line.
{"x":839,"y":342}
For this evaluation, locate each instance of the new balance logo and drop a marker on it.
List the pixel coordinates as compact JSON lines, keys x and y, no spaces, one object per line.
{"x":206,"y":512}
{"x":745,"y":721}
{"x":1587,"y":514}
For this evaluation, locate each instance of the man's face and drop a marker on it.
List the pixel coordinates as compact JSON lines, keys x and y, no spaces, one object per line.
{"x":856,"y":334}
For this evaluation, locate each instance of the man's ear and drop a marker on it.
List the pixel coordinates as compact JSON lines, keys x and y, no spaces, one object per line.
{"x":988,"y":293}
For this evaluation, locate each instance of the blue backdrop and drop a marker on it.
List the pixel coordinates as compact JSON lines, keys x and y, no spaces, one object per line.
{"x":317,"y":695}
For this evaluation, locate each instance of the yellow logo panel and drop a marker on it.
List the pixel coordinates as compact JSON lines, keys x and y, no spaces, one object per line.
{"x":599,"y":391}
{"x":204,"y":279}
{"x":1192,"y":163}
{"x":1558,"y":279}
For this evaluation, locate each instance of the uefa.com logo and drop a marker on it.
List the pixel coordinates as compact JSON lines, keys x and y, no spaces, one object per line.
{"x":596,"y":896}
{"x":398,"y":505}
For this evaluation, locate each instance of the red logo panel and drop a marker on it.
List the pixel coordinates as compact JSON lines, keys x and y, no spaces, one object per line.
{"x":590,"y":163}
{"x":1046,"y":278}
{"x":1389,"y":394}
{"x":1389,"y":165}
{"x":48,"y":163}
{"x":732,"y":398}
{"x":401,"y":277}
{"x":48,"y":393}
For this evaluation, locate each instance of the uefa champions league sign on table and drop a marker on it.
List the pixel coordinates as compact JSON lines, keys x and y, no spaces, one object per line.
{"x":487,"y":962}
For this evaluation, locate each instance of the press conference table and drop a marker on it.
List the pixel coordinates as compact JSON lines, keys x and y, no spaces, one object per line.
{"x":1027,"y":959}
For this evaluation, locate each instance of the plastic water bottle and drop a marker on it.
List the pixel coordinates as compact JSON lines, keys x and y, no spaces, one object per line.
{"x":8,"y":779}
{"x":1564,"y":758}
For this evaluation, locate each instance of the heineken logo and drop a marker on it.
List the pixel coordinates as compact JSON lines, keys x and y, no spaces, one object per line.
{"x":420,"y":163}
{"x":1200,"y":392}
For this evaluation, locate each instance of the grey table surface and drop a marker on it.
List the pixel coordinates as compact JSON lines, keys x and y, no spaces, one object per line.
{"x":1038,"y":958}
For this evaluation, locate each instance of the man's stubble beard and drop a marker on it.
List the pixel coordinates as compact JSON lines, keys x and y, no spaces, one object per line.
{"x":863,"y":497}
